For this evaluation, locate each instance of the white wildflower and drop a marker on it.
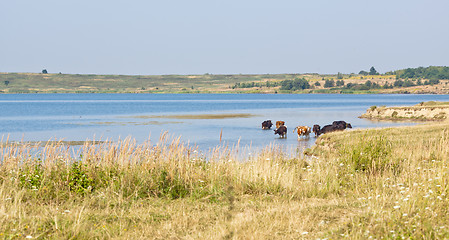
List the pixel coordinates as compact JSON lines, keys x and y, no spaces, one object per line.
{"x":396,"y":207}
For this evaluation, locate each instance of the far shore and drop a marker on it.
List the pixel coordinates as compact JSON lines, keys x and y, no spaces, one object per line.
{"x":212,"y":83}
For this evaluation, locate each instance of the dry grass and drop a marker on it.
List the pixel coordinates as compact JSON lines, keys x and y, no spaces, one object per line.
{"x":382,"y":183}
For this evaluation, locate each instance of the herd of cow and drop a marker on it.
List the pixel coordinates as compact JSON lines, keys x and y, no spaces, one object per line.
{"x":305,"y":131}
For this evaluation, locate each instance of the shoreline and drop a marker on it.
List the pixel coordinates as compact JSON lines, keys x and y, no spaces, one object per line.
{"x":425,"y":111}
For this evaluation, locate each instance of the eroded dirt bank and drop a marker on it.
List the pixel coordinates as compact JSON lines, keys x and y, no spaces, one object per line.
{"x":426,"y":111}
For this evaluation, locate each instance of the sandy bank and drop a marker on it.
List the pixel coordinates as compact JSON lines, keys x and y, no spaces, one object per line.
{"x":427,"y":111}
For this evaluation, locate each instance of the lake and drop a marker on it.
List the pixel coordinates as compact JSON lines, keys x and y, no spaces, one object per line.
{"x":78,"y":117}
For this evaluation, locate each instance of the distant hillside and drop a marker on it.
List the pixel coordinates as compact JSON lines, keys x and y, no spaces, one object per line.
{"x":393,"y":82}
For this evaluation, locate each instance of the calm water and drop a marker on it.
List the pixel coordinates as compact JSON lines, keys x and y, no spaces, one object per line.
{"x":73,"y":117}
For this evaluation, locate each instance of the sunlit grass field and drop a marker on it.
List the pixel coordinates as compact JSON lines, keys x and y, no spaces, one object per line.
{"x":359,"y":184}
{"x":203,"y":83}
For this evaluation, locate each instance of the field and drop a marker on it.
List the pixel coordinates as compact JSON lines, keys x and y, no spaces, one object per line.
{"x":359,"y":184}
{"x":207,"y":83}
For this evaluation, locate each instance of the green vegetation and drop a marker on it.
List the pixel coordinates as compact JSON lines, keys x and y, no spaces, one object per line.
{"x":431,"y":73}
{"x":256,"y":84}
{"x":296,"y":84}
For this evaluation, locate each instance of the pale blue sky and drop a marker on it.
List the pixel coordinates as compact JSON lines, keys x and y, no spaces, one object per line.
{"x":221,"y":37}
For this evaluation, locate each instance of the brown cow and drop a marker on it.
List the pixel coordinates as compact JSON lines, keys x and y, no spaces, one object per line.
{"x":302,"y":131}
{"x":266,"y":124}
{"x":282,"y":131}
{"x":279,"y":123}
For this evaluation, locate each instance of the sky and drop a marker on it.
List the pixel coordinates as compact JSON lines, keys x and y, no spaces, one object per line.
{"x":146,"y":37}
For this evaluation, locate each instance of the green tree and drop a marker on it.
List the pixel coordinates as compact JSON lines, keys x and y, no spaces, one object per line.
{"x":339,"y":75}
{"x":329,"y":83}
{"x":363,"y":73}
{"x":296,"y":84}
{"x":372,"y":71}
{"x":44,"y":71}
{"x":340,"y":83}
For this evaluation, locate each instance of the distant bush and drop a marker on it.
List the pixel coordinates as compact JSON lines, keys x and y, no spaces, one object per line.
{"x":329,"y":83}
{"x":296,"y":84}
{"x":255,"y":84}
{"x":366,"y":86}
{"x":340,"y":83}
{"x":363,"y":73}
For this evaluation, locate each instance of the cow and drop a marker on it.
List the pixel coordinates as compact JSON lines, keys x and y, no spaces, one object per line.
{"x":341,"y":125}
{"x":282,"y":131}
{"x":266,"y":124}
{"x":326,"y":129}
{"x":316,"y":130}
{"x":302,"y":131}
{"x":279,"y":123}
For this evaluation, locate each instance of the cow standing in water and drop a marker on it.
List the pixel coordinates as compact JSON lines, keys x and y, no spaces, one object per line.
{"x":302,"y":131}
{"x":279,"y":123}
{"x":336,"y":126}
{"x":266,"y":124}
{"x":341,"y":125}
{"x":282,"y":131}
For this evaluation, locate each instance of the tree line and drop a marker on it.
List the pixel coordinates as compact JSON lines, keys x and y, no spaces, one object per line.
{"x":431,"y":73}
{"x":302,"y":83}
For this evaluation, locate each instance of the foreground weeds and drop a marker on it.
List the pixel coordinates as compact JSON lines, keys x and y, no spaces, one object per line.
{"x":385,"y":183}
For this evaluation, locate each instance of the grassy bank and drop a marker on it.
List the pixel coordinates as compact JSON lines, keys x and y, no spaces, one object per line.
{"x":380,"y":183}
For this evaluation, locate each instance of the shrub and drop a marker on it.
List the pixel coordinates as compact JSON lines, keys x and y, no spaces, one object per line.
{"x":79,"y":182}
{"x":31,"y":177}
{"x":371,"y":155}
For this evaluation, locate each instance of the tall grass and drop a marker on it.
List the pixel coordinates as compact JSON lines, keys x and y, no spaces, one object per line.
{"x":383,"y":183}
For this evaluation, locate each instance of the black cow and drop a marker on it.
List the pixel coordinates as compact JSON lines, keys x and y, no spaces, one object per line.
{"x":266,"y":124}
{"x":341,"y":125}
{"x":336,"y":126}
{"x":316,"y":130}
{"x":282,"y":131}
